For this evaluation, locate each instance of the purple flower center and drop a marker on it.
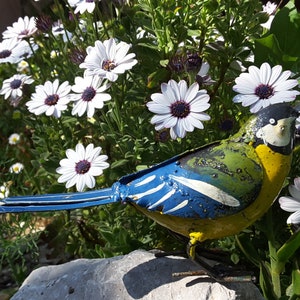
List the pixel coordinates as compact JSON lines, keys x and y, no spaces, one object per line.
{"x":180,"y":109}
{"x":264,"y":91}
{"x":108,"y":65}
{"x":89,"y":1}
{"x":51,"y":100}
{"x":15,"y":84}
{"x":5,"y":53}
{"x":82,"y":167}
{"x":88,"y":94}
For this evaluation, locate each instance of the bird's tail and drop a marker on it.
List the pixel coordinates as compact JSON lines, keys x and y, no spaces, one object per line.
{"x":51,"y":202}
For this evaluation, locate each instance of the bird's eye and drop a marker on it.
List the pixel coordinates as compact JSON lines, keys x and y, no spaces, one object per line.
{"x":272,"y":121}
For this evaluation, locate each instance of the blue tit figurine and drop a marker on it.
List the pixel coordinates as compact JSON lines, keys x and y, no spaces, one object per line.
{"x":211,"y":192}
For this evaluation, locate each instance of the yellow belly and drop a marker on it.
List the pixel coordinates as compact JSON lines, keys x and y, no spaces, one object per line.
{"x":276,"y":168}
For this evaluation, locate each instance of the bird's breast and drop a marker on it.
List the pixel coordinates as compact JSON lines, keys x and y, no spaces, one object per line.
{"x":276,"y":168}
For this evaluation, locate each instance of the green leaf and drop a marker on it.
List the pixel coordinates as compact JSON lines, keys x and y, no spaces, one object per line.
{"x":286,"y":27}
{"x":119,"y":163}
{"x":296,"y":280}
{"x":267,"y":49}
{"x":265,"y":282}
{"x":281,"y":45}
{"x":164,"y":63}
{"x":141,"y":167}
{"x":193,"y":32}
{"x":287,"y":250}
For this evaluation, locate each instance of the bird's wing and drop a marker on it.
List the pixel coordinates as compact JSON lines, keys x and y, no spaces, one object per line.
{"x":210,"y":182}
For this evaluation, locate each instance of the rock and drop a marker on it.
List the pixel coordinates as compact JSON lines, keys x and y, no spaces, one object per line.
{"x":138,"y":275}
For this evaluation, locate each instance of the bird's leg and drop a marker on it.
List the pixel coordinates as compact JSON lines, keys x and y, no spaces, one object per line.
{"x":195,"y":238}
{"x":228,"y":275}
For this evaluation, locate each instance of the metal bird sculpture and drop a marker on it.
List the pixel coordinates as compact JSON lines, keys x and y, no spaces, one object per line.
{"x":210,"y":192}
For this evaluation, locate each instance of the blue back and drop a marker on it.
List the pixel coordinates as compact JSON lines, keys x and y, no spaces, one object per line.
{"x":208,"y":182}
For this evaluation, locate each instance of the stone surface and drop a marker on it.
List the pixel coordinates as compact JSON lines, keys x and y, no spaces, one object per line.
{"x":138,"y":275}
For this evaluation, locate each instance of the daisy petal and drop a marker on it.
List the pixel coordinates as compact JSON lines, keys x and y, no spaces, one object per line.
{"x":289,"y":204}
{"x":294,"y":218}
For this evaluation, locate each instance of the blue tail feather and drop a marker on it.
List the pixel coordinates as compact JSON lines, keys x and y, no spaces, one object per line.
{"x":53,"y":202}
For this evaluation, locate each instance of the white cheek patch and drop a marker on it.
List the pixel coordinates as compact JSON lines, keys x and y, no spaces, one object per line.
{"x":277,"y":135}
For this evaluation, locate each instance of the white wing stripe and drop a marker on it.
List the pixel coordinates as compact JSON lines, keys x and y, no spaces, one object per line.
{"x":147,"y":192}
{"x":179,"y":206}
{"x":164,"y":198}
{"x":208,"y":190}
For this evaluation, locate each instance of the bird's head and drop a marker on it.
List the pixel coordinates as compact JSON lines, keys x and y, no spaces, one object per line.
{"x":273,"y":126}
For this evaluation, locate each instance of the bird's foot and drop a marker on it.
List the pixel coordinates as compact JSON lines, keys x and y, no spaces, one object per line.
{"x":171,"y":253}
{"x":218,"y":272}
{"x":228,"y":278}
{"x":222,"y":273}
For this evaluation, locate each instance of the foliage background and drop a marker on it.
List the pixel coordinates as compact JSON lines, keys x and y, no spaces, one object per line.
{"x":227,"y":35}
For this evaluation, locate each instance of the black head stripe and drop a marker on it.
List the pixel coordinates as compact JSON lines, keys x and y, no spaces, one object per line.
{"x":275,"y":112}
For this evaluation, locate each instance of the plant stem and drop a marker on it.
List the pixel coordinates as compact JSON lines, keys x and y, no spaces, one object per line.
{"x":273,"y":255}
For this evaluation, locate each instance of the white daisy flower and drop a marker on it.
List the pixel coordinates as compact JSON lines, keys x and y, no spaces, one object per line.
{"x":270,"y":8}
{"x":23,"y":28}
{"x":264,"y":86}
{"x":13,"y":50}
{"x":50,"y":98}
{"x":179,"y":108}
{"x":23,"y":67}
{"x":4,"y":190}
{"x":14,"y":139}
{"x":89,"y":95}
{"x":58,"y":29}
{"x":108,"y":59}
{"x":82,"y":5}
{"x":292,"y":204}
{"x":81,"y":165}
{"x":202,"y":76}
{"x":16,"y":168}
{"x":13,"y":86}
